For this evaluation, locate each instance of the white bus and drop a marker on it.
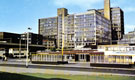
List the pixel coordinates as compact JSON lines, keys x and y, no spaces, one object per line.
{"x":15,"y":52}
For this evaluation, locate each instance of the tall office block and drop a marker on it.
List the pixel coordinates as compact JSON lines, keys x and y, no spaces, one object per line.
{"x":75,"y":30}
{"x":69,"y":31}
{"x":116,"y":16}
{"x":85,"y":29}
{"x":117,"y":21}
{"x":91,"y":28}
{"x":48,"y":28}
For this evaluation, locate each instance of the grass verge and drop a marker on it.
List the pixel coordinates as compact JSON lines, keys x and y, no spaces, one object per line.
{"x":37,"y":76}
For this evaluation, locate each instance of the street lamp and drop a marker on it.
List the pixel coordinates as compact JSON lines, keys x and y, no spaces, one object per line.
{"x":27,"y":54}
{"x":19,"y":48}
{"x":134,"y":36}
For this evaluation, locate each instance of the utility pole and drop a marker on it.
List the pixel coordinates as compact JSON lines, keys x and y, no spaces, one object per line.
{"x":20,"y":48}
{"x":134,"y":36}
{"x":62,"y":45}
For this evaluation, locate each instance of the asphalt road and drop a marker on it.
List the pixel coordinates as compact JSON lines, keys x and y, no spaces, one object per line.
{"x":69,"y":67}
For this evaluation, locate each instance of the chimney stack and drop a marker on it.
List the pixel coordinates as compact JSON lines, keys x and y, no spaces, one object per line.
{"x":107,"y":9}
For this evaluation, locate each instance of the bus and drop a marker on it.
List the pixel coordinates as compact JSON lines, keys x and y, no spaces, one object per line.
{"x":16,"y":53}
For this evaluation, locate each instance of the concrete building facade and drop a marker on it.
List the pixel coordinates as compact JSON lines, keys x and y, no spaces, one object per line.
{"x":76,"y":30}
{"x":117,"y":22}
{"x":85,"y":29}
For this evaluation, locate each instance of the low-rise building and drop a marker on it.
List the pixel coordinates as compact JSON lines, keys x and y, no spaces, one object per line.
{"x":9,"y":37}
{"x":34,"y":38}
{"x":128,"y":38}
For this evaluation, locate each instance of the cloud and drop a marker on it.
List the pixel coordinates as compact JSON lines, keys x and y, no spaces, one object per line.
{"x":127,"y":6}
{"x":80,"y":3}
{"x":129,"y":28}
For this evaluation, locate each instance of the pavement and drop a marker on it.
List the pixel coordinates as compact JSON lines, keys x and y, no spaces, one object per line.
{"x":18,"y":66}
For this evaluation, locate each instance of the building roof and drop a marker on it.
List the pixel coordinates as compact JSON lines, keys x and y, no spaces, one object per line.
{"x":73,"y":52}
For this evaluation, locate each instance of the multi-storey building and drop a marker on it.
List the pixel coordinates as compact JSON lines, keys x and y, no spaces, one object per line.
{"x":91,"y":28}
{"x":82,"y":29}
{"x":48,"y":28}
{"x":116,"y":16}
{"x":34,"y":39}
{"x":9,"y":37}
{"x":117,"y":21}
{"x":49,"y":43}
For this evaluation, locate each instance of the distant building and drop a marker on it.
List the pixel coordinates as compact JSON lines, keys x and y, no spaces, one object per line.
{"x":128,"y":38}
{"x":15,"y":38}
{"x":18,"y":42}
{"x":33,"y":38}
{"x":9,"y":37}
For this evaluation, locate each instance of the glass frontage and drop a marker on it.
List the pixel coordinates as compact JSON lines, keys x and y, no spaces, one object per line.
{"x":117,"y":23}
{"x":48,"y":27}
{"x":103,"y":30}
{"x":91,"y":28}
{"x":82,"y":29}
{"x":117,"y":20}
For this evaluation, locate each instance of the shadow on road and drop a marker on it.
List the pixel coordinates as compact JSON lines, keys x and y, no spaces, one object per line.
{"x":14,"y":76}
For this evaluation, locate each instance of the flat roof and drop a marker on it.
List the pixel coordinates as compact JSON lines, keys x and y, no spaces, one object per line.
{"x":125,"y":53}
{"x":73,"y":52}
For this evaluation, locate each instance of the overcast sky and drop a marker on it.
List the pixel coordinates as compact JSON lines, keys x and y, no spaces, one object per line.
{"x":17,"y":15}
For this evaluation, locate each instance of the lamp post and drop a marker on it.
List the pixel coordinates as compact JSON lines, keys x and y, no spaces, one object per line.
{"x":62,"y":46}
{"x":19,"y":48}
{"x":134,"y":36}
{"x":27,"y":54}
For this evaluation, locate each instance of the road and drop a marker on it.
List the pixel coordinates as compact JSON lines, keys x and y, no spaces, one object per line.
{"x":73,"y":68}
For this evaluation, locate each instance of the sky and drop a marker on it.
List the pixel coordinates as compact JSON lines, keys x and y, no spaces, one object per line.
{"x":17,"y":15}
